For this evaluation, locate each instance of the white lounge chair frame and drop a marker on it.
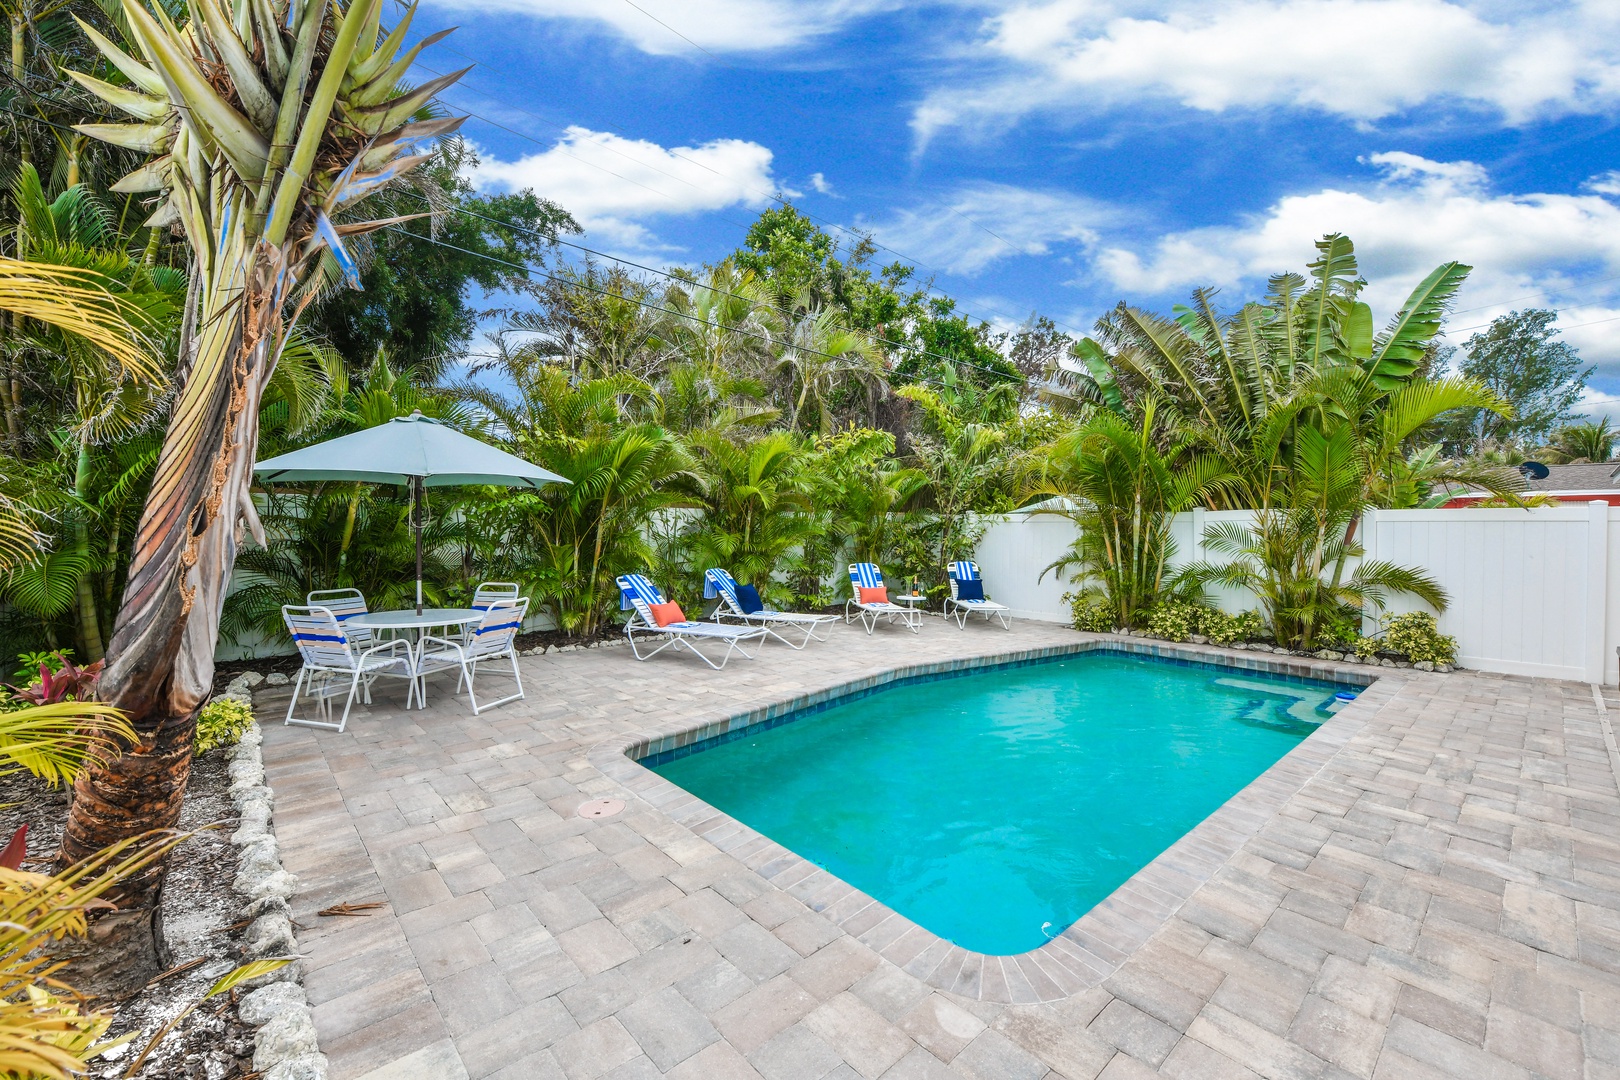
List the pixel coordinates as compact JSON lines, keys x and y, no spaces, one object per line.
{"x":719,"y":583}
{"x":638,"y":594}
{"x":494,"y":637}
{"x":968,"y":570}
{"x":328,"y":655}
{"x":868,"y":576}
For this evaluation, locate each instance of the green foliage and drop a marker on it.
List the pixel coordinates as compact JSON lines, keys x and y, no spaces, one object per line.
{"x":221,"y":722}
{"x":1418,"y":637}
{"x":1366,"y":648}
{"x":1520,"y":358}
{"x":1224,"y":629}
{"x":1588,"y":441}
{"x":1090,"y":611}
{"x":1175,"y":620}
{"x":29,"y":663}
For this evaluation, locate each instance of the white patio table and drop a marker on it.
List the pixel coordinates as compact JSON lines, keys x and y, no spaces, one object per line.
{"x":408,"y":620}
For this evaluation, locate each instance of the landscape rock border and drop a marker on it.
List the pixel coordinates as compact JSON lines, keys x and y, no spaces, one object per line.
{"x":285,"y":1045}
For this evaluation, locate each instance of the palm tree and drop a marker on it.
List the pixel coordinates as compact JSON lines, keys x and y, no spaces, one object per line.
{"x":1588,"y":441}
{"x":823,"y":358}
{"x":1125,"y":479}
{"x":263,"y":139}
{"x":755,"y":500}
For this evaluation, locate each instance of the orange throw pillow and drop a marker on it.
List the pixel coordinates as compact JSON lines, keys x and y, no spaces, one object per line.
{"x":664,"y":614}
{"x":879,"y":595}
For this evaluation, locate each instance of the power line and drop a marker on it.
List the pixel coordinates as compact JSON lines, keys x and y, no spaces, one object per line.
{"x":868,"y":334}
{"x":672,"y":30}
{"x":660,"y":308}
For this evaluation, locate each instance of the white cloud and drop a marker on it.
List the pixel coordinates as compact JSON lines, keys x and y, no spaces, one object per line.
{"x":1358,"y":59}
{"x":1605,"y":183}
{"x":614,"y":185}
{"x":682,"y":27}
{"x":983,"y":223}
{"x":821,"y":184}
{"x":1528,"y":250}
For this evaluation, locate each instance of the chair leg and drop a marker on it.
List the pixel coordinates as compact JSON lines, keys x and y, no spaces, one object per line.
{"x":293,"y":704}
{"x":348,"y":703}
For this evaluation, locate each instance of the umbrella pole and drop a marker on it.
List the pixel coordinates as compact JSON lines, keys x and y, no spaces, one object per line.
{"x":416,"y":506}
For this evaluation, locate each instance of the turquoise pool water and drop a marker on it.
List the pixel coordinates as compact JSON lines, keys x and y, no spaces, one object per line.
{"x":996,"y":808}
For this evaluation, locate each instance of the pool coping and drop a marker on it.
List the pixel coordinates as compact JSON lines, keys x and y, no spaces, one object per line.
{"x":1102,"y":939}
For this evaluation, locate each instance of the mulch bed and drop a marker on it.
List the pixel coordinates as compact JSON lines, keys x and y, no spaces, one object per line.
{"x":199,"y":908}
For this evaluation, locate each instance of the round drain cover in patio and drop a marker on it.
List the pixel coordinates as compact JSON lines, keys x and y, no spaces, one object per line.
{"x":600,"y":808}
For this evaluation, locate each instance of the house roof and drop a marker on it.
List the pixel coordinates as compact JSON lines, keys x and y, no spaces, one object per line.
{"x":1587,"y":476}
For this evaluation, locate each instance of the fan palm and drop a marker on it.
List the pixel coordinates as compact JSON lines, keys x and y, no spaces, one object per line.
{"x":1589,"y":441}
{"x":266,"y":123}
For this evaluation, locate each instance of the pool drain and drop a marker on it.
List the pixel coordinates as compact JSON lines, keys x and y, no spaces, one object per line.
{"x":600,"y":808}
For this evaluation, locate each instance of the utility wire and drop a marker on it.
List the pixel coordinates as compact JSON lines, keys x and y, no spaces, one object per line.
{"x":868,"y":334}
{"x":660,"y":308}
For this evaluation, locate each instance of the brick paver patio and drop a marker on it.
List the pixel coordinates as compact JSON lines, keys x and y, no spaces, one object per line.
{"x":1441,"y":898}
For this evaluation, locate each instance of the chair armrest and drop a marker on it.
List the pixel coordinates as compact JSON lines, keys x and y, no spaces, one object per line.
{"x":387,"y":646}
{"x":429,"y":639}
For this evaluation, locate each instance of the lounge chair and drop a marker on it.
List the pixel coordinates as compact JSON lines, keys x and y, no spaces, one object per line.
{"x":330,"y":655}
{"x":867,"y":576}
{"x":720,"y":583}
{"x":638,"y":594}
{"x":967,"y":596}
{"x":493,"y":637}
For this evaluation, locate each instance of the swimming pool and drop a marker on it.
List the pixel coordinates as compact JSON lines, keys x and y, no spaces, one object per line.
{"x":994,"y":808}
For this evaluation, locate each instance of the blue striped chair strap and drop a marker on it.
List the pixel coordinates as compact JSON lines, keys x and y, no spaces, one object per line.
{"x":494,"y":629}
{"x":633,"y":587}
{"x":965,"y":570}
{"x":319,"y":637}
{"x":866,"y":575}
{"x":718,"y":582}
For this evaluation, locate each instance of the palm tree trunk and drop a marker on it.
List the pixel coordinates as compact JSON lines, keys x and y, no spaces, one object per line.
{"x":161,"y":658}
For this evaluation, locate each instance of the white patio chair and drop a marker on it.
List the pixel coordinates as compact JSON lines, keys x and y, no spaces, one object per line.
{"x":333,"y":665}
{"x":493,"y":638}
{"x":720,"y":583}
{"x":638,"y":594}
{"x":345,"y":604}
{"x":486,"y":594}
{"x":965,"y":578}
{"x":866,"y":575}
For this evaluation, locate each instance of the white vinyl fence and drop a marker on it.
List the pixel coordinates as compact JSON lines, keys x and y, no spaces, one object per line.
{"x":1531,"y":591}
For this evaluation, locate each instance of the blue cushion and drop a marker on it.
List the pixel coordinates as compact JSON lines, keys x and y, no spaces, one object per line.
{"x":748,"y":599}
{"x":970,"y":590}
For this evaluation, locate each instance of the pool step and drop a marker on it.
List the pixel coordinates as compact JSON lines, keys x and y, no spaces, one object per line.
{"x":1305,"y":700}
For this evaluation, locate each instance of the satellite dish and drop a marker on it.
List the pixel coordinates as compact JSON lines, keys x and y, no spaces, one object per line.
{"x":1534,"y":470}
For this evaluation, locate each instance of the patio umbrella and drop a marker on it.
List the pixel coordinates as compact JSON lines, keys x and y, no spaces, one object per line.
{"x":412,"y":450}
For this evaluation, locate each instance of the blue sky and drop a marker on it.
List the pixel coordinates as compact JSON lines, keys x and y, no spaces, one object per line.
{"x":1060,"y":156}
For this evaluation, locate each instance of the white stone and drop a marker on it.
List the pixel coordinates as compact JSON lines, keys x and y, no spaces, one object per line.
{"x":269,"y":935}
{"x":302,"y":1067}
{"x":1443,"y":667}
{"x":280,"y":884}
{"x":252,"y":678}
{"x":253,"y":823}
{"x":266,"y":1003}
{"x":276,"y":678}
{"x":246,"y":770}
{"x":1424,"y":665}
{"x":290,"y":1035}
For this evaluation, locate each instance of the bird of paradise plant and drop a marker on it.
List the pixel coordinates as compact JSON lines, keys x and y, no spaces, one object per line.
{"x":267,"y":122}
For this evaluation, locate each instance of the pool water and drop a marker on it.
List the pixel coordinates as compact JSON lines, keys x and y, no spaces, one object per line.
{"x":995,"y":808}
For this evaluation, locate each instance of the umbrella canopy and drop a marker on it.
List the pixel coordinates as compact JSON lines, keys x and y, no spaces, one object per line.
{"x":405,"y":449}
{"x":410,"y":450}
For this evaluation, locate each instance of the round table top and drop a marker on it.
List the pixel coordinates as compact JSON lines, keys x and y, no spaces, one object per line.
{"x":409,"y":619}
{"x":907,"y":598}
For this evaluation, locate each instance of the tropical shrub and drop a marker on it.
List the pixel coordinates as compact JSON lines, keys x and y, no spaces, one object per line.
{"x":221,"y":723}
{"x":1224,"y":629}
{"x":1091,"y":612}
{"x":1175,"y":620}
{"x":1418,"y":637}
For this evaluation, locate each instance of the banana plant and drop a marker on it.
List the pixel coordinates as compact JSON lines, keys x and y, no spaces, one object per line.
{"x":266,"y":122}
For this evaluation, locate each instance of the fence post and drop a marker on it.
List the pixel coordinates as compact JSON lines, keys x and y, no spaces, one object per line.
{"x":1196,"y":555}
{"x":1597,"y":589}
{"x":1369,"y":552}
